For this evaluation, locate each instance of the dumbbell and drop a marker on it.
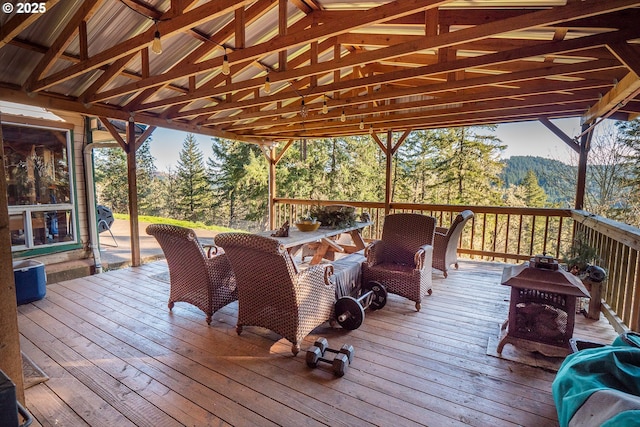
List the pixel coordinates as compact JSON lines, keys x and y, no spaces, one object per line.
{"x":339,"y":363}
{"x":350,"y":310}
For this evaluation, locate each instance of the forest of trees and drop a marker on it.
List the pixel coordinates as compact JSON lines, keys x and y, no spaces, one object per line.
{"x":443,"y":166}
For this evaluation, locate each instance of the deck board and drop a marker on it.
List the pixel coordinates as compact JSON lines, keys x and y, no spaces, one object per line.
{"x":117,"y":356}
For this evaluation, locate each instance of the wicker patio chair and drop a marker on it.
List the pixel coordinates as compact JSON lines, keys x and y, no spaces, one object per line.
{"x":204,"y":280}
{"x":445,"y":243}
{"x":401,"y":260}
{"x":272,"y":292}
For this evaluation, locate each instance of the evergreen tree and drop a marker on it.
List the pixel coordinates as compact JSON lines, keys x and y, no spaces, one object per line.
{"x":535,"y":197}
{"x":467,"y":166}
{"x":112,"y":183}
{"x":192,"y":198}
{"x":238,"y":176}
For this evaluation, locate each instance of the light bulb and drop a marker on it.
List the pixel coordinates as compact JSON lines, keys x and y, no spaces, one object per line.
{"x":370,"y":129}
{"x":361,"y":124}
{"x":343,"y":117}
{"x":267,"y":85}
{"x":225,"y":65}
{"x":325,"y":109}
{"x":304,"y":111}
{"x":156,"y":45}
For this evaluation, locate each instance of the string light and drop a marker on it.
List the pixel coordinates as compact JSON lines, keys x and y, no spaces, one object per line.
{"x":325,"y":109}
{"x":361,"y":124}
{"x":156,"y":45}
{"x":225,"y":65}
{"x":343,"y":117}
{"x":267,"y":84}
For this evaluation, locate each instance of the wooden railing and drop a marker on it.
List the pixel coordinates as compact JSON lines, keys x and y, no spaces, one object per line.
{"x":617,"y":246}
{"x":515,"y":234}
{"x":507,"y":234}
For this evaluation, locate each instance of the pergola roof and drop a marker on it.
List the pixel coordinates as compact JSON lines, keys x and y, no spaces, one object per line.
{"x":379,"y":65}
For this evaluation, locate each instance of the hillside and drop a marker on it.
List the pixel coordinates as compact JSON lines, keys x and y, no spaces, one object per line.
{"x":558,"y":179}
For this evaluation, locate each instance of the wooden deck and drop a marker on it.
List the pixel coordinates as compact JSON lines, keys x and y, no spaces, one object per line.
{"x":117,"y":357}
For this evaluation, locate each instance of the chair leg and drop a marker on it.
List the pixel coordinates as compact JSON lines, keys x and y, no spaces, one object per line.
{"x":170,"y":305}
{"x":418,"y":306}
{"x":209,"y":317}
{"x":456,"y":265}
{"x":238,"y":329}
{"x":295,"y":349}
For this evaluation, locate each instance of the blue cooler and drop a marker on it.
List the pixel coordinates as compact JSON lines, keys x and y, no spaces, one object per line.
{"x":30,"y":279}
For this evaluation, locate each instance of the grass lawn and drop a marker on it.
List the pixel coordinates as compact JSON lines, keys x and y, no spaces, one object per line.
{"x":181,"y":223}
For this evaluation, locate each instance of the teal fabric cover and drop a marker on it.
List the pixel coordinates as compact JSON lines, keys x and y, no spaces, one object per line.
{"x":615,"y":366}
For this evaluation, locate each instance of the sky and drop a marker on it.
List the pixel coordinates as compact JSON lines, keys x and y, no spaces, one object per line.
{"x":522,"y":139}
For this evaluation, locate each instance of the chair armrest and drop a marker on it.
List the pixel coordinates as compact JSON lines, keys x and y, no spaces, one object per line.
{"x":424,"y":257}
{"x":373,"y":251}
{"x":442,"y":230}
{"x":316,"y":272}
{"x":212,"y":250}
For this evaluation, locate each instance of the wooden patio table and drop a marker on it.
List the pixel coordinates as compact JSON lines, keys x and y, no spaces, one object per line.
{"x":324,"y":238}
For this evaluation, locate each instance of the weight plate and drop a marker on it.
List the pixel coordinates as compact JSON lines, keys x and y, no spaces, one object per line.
{"x":348,"y":350}
{"x":379,"y":298}
{"x":349,"y":313}
{"x":313,"y":355}
{"x":340,"y":364}
{"x":322,"y":344}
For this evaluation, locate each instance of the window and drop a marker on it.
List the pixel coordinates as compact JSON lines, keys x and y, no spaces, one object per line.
{"x":39,"y":190}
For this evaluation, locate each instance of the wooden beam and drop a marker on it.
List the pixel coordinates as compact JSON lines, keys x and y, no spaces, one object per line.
{"x":627,"y":54}
{"x":193,"y":18}
{"x":400,"y":141}
{"x":532,"y":88}
{"x":431,"y":89}
{"x":109,"y":75}
{"x":82,"y":14}
{"x":145,"y":135}
{"x":388,"y":184}
{"x":581,"y":183}
{"x":560,"y":134}
{"x":624,"y":90}
{"x":376,"y":55}
{"x":19,"y":22}
{"x":114,"y":133}
{"x":291,"y":39}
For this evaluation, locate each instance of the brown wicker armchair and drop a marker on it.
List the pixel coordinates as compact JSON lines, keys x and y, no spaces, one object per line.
{"x":401,"y":260}
{"x":272,"y":292}
{"x":204,"y":280}
{"x":445,"y":244}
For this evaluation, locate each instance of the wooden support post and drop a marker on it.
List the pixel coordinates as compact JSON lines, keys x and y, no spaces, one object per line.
{"x":585,"y":141}
{"x":388,"y":176}
{"x":270,"y":154}
{"x":133,"y":194}
{"x":10,"y":358}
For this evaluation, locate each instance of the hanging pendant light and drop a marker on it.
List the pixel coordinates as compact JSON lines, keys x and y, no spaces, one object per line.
{"x":325,"y":109}
{"x":361,"y":124}
{"x":156,"y":45}
{"x":304,"y":111}
{"x":370,"y":129}
{"x":267,"y":84}
{"x":225,"y":65}
{"x":343,"y":117}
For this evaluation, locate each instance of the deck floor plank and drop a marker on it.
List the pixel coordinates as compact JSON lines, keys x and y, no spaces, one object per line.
{"x":117,"y":356}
